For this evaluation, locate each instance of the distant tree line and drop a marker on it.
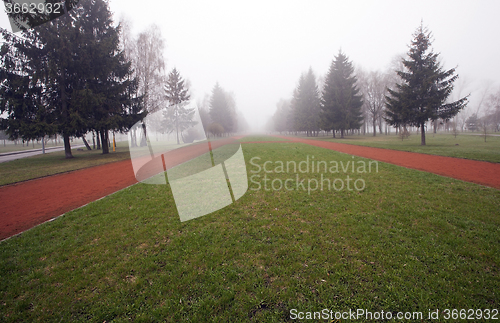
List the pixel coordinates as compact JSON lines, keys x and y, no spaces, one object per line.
{"x":219,"y":113}
{"x":80,"y":74}
{"x":417,"y":93}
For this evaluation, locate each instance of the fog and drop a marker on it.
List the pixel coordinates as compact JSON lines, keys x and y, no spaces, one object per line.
{"x":258,"y":49}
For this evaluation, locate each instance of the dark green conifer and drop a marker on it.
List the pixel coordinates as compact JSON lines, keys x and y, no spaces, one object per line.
{"x":425,"y":87}
{"x":341,"y":102}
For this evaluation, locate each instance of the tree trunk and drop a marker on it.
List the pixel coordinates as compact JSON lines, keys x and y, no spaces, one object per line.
{"x":177,"y":128}
{"x":374,"y":126}
{"x":65,"y":113}
{"x":104,"y":141}
{"x":422,"y":132}
{"x":98,"y":140}
{"x":67,"y":147}
{"x":86,"y":143}
{"x":341,"y":133}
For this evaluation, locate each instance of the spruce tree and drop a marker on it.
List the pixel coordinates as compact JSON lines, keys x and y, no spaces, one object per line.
{"x":220,"y":111}
{"x":306,"y":105}
{"x":425,"y":87}
{"x":178,"y":116}
{"x":104,"y":73}
{"x":74,"y":65}
{"x":20,"y":97}
{"x":341,"y":102}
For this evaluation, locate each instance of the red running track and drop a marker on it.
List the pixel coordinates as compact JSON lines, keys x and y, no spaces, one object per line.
{"x":30,"y":203}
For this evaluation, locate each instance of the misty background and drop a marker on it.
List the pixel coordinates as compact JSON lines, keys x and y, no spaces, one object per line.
{"x":257,"y":50}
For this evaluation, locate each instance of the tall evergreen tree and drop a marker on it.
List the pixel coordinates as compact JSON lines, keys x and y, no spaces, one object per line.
{"x":220,"y":111}
{"x":177,"y":115}
{"x":106,"y":81}
{"x":341,"y":102}
{"x":74,"y":64}
{"x":20,"y":97}
{"x":305,"y":104}
{"x":281,"y":116}
{"x":43,"y":57}
{"x":231,"y":104}
{"x":425,"y":87}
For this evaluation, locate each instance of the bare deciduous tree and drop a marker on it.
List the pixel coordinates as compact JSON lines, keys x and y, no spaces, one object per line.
{"x":146,"y":54}
{"x":150,"y":67}
{"x":493,"y":110}
{"x":374,"y":86}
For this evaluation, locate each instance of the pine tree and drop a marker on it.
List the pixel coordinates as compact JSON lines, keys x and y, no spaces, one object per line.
{"x":104,"y":73}
{"x":20,"y":97}
{"x":281,"y":116}
{"x":220,"y":111}
{"x":340,"y":103}
{"x":178,"y":116}
{"x":74,"y":65}
{"x":425,"y":87}
{"x":306,"y":104}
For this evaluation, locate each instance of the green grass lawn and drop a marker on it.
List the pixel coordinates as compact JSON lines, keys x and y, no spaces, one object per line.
{"x":260,"y":138}
{"x":463,"y":146}
{"x":410,"y":241}
{"x":9,"y":146}
{"x":54,"y":163}
{"x":19,"y":147}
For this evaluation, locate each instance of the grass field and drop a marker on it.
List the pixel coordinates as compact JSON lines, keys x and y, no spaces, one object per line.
{"x":54,"y":163}
{"x":463,"y":146}
{"x":19,"y":147}
{"x":10,"y":147}
{"x":410,"y":241}
{"x":260,"y":138}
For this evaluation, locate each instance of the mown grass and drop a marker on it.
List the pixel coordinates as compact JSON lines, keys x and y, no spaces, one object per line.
{"x":257,"y":137}
{"x":55,"y":162}
{"x":463,"y":146}
{"x":410,"y":241}
{"x":9,"y":146}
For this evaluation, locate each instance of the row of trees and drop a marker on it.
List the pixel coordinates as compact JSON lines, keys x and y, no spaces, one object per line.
{"x":337,"y":108}
{"x":491,"y":117}
{"x":416,"y":93}
{"x":68,"y":76}
{"x":219,"y":113}
{"x":79,"y":73}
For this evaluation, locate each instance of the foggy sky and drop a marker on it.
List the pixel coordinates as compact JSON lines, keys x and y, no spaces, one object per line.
{"x":258,"y":49}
